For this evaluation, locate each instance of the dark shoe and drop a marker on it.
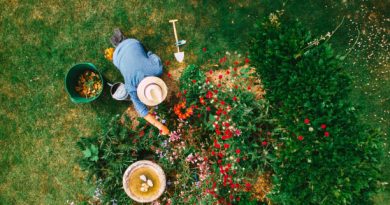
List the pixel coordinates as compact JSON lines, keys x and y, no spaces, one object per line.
{"x":117,"y":37}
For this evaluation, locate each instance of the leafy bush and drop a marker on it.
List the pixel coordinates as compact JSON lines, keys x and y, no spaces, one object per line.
{"x":327,"y":155}
{"x":108,"y":155}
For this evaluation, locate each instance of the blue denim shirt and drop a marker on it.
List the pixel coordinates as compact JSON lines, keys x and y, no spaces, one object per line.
{"x":135,"y":64}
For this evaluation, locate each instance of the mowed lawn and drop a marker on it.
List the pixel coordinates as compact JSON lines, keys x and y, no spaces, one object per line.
{"x":41,"y":40}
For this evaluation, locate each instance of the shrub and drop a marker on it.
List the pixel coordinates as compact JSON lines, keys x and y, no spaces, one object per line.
{"x":328,"y":156}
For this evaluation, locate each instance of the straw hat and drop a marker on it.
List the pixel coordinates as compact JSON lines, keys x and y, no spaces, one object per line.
{"x":152,"y":91}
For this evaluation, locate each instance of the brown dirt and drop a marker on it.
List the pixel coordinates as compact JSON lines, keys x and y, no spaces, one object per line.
{"x":253,"y":82}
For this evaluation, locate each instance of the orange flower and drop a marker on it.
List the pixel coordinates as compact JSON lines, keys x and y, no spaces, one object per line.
{"x":181,"y":111}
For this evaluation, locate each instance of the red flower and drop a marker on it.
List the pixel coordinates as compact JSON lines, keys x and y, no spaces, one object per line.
{"x":220,"y":76}
{"x":185,"y":92}
{"x":228,"y":133}
{"x":238,"y":151}
{"x":198,"y":115}
{"x":220,"y":155}
{"x":213,"y":153}
{"x":209,"y":94}
{"x":326,"y":134}
{"x":211,"y":72}
{"x":167,"y":63}
{"x":216,"y":144}
{"x":208,"y":108}
{"x":238,"y":160}
{"x":222,"y":60}
{"x":248,"y":186}
{"x":264,"y":143}
{"x":219,"y":85}
{"x":204,"y":49}
{"x":216,"y":91}
{"x":238,"y":199}
{"x":238,"y":132}
{"x":228,"y":72}
{"x":323,"y":126}
{"x":201,"y":100}
{"x":219,"y":161}
{"x":226,"y":146}
{"x":300,"y":138}
{"x":226,"y":137}
{"x":205,"y":159}
{"x":236,"y":86}
{"x":235,"y":62}
{"x":249,"y":87}
{"x":234,"y":98}
{"x":247,"y":60}
{"x":141,"y":133}
{"x":194,"y":81}
{"x":222,"y":102}
{"x":231,"y":197}
{"x":235,"y":69}
{"x":306,"y":121}
{"x":169,"y":75}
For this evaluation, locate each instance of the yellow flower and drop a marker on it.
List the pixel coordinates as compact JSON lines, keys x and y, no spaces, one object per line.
{"x":108,"y":53}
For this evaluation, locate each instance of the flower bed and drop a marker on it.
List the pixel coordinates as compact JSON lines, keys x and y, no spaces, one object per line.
{"x":214,"y":155}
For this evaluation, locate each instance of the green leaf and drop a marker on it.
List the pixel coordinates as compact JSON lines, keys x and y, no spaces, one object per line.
{"x":94,"y":158}
{"x":87,"y":153}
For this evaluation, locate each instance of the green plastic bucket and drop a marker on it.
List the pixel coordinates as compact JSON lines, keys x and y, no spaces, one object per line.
{"x":72,"y":77}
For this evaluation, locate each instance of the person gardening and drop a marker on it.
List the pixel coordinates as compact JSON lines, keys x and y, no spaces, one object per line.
{"x":139,"y":69}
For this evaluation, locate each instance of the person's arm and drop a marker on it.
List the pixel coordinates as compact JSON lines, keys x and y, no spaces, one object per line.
{"x":152,"y":120}
{"x":144,"y":112}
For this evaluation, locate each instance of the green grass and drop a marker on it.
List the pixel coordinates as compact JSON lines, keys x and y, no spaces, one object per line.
{"x":42,"y":40}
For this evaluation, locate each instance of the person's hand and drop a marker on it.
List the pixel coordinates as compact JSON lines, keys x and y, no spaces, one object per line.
{"x":164,"y":130}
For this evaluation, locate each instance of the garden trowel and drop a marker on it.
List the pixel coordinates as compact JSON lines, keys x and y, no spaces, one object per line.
{"x":179,"y":55}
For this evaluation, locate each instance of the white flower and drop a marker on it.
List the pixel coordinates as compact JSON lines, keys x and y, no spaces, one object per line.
{"x":311,"y":129}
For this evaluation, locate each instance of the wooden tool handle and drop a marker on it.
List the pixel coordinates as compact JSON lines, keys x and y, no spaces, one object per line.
{"x":174,"y":31}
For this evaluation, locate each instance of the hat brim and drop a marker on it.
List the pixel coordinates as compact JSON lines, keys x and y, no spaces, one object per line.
{"x":145,"y":82}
